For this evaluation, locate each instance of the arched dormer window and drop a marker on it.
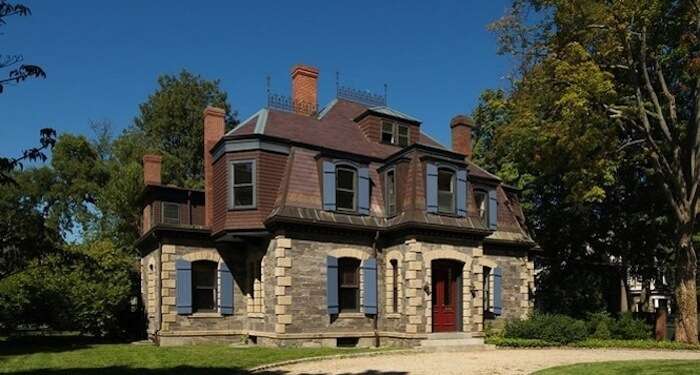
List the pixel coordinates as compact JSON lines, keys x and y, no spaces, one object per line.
{"x":346,"y":187}
{"x":446,"y":191}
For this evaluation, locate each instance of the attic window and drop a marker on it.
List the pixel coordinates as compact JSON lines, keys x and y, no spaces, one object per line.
{"x":387,"y":133}
{"x":403,"y":135}
{"x":171,"y":213}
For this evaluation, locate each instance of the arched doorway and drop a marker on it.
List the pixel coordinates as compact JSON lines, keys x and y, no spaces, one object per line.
{"x":446,"y":295}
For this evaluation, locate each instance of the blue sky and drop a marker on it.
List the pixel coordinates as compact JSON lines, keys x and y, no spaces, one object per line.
{"x":102,"y":58}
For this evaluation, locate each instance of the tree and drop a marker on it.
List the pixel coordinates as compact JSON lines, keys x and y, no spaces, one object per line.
{"x":631,"y":64}
{"x":7,"y":165}
{"x":23,"y":71}
{"x":171,"y":122}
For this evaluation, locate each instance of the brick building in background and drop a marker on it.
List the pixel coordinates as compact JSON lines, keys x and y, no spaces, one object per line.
{"x":344,"y":226}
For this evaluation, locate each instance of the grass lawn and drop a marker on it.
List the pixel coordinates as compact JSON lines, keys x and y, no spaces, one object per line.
{"x":63,"y":356}
{"x":627,"y":367}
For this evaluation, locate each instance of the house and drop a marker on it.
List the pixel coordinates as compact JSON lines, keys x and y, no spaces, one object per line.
{"x":340,"y":227}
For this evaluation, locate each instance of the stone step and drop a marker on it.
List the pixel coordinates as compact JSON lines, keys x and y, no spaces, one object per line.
{"x":449,"y":336}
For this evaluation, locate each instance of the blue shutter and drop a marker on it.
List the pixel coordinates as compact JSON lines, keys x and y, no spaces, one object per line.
{"x":431,"y":182}
{"x":462,"y":192}
{"x":332,"y":285}
{"x":183,"y":286}
{"x":363,"y":191}
{"x":497,"y":299}
{"x":493,"y":209}
{"x":225,"y":290}
{"x":369,"y":275}
{"x":328,"y":186}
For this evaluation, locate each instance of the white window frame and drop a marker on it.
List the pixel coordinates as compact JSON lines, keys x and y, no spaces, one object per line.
{"x":253,"y":184}
{"x":389,"y":202}
{"x":485,"y":202}
{"x":453,"y":184}
{"x":354,"y":190}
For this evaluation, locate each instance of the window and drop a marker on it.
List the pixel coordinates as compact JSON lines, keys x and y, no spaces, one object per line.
{"x":345,"y":183}
{"x":487,"y":290}
{"x":171,"y":213}
{"x":446,"y":188}
{"x":391,"y":192}
{"x":204,"y":286}
{"x":395,"y":284}
{"x":394,"y":134}
{"x":243,"y":182}
{"x":403,"y":135}
{"x":482,"y":199}
{"x":349,"y":284}
{"x":388,"y":133}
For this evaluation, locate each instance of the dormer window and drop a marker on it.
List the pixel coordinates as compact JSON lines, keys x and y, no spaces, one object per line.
{"x":242,"y":184}
{"x":446,"y":191}
{"x":481,"y":197}
{"x":395,"y":134}
{"x":388,"y":133}
{"x":345,"y":184}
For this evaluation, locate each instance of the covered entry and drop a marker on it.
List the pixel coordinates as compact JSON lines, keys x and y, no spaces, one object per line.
{"x":446,"y":295}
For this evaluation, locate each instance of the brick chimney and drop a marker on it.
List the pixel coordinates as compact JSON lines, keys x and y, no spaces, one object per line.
{"x":214,"y":125}
{"x":462,"y":127}
{"x":151,"y":169}
{"x":304,"y":89}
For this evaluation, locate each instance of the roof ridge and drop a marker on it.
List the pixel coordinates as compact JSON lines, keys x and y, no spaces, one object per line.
{"x":230,"y":132}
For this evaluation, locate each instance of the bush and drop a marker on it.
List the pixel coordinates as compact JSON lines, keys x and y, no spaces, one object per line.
{"x":634,"y":344}
{"x":550,"y":328}
{"x":520,"y":343}
{"x":628,"y":328}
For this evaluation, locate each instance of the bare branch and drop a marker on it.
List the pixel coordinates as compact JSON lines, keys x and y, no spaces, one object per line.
{"x":650,"y":88}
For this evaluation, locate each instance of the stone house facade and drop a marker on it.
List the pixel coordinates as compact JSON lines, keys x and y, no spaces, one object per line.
{"x":340,"y":227}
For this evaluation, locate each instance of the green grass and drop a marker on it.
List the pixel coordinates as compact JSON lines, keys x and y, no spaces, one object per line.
{"x":81,"y":357}
{"x":627,"y":367}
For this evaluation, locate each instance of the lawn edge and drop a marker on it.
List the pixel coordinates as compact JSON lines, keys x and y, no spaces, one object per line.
{"x":332,"y":356}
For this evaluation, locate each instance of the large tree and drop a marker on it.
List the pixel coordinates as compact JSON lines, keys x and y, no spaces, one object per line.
{"x":171,"y":122}
{"x":632,"y":64}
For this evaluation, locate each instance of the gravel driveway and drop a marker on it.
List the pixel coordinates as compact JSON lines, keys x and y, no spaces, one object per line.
{"x":500,"y":361}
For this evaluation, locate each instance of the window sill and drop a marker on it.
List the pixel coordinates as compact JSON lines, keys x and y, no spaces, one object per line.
{"x":351,"y":315}
{"x":393,"y":316}
{"x":248,"y":208}
{"x":256,"y":315}
{"x":200,"y":315}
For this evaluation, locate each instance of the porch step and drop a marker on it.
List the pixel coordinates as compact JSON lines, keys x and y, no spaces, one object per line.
{"x":454,"y":342}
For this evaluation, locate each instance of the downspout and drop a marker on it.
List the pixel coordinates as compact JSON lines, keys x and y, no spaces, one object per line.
{"x":375,"y":322}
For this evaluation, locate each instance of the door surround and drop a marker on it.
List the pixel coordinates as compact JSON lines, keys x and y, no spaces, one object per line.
{"x":446,"y":295}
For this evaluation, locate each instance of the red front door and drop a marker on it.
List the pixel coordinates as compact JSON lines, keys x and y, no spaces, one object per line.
{"x":444,"y":296}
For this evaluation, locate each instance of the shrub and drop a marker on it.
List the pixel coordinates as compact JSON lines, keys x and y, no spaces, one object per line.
{"x":520,"y":343}
{"x":629,"y":328}
{"x":550,"y":328}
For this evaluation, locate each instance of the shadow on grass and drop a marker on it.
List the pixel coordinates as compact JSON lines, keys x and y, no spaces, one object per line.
{"x":17,"y":345}
{"x":180,"y":370}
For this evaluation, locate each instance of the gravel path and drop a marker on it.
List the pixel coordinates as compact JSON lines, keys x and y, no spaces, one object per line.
{"x":500,"y":361}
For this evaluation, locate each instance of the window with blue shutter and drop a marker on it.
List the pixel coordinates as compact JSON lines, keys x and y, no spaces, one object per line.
{"x":462,"y":192}
{"x":369,"y":275}
{"x":497,"y":291}
{"x":493,"y":209}
{"x":363,"y":191}
{"x":431,"y":185}
{"x":332,"y":285}
{"x":183,"y":286}
{"x":328,"y":186}
{"x":225,"y":290}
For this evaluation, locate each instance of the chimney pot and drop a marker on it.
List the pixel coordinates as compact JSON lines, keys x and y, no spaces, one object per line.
{"x":304,"y":89}
{"x":214,"y":125}
{"x":152,"y":169}
{"x":462,"y":127}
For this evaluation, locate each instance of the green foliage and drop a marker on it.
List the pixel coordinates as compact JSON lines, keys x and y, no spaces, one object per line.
{"x":86,"y":288}
{"x":634,"y":344}
{"x":562,"y":329}
{"x":520,"y":343}
{"x":550,"y":328}
{"x":171,"y":122}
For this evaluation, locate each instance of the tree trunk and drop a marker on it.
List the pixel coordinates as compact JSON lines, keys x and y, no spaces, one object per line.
{"x":686,"y":296}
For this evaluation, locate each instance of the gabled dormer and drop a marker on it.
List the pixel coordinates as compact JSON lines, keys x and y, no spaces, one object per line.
{"x":388,"y":126}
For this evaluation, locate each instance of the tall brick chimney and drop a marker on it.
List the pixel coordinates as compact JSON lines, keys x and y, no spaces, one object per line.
{"x":214,"y":125}
{"x":304,"y":89}
{"x":151,"y":169}
{"x":462,"y":127}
